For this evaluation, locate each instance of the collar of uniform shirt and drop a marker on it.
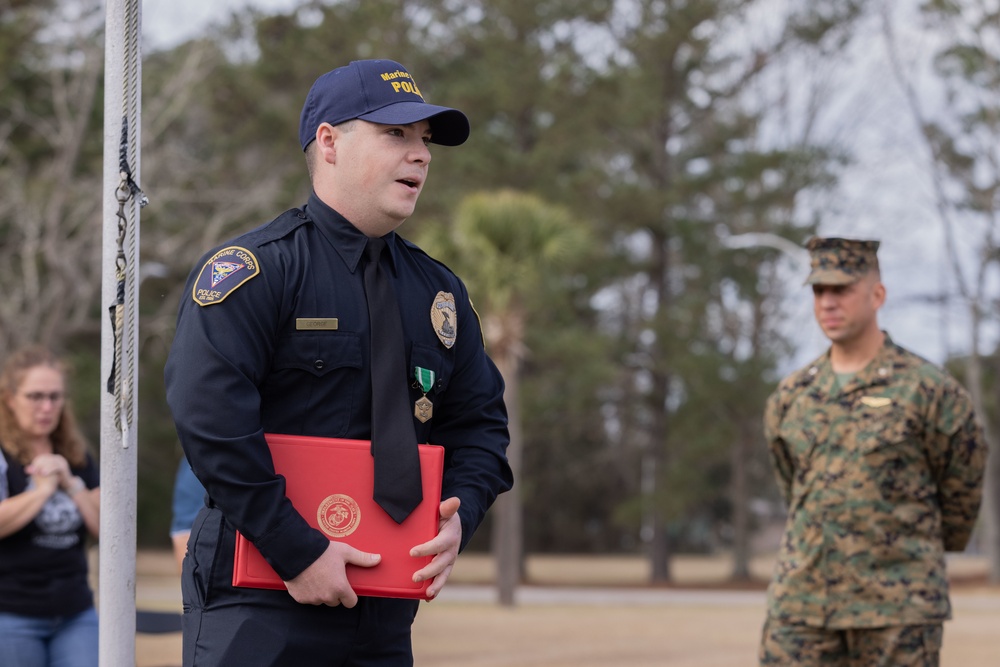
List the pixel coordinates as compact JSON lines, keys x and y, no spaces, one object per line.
{"x":342,"y":235}
{"x":877,"y":372}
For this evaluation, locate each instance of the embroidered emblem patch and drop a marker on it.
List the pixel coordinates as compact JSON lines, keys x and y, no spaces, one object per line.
{"x":222,"y":270}
{"x":222,"y":274}
{"x":444,"y":318}
{"x":338,"y":515}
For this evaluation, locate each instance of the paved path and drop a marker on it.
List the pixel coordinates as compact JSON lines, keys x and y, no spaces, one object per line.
{"x":562,"y":595}
{"x":548,"y":595}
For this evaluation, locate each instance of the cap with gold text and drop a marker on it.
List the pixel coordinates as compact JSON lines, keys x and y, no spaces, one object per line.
{"x":378,"y":91}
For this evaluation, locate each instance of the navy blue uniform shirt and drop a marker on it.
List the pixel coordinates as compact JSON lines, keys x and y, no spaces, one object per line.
{"x":240,"y":366}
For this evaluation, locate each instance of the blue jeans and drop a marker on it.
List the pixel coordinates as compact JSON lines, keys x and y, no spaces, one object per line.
{"x":53,"y":641}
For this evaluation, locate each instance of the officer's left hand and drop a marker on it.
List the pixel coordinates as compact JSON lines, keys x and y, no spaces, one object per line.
{"x":444,"y":548}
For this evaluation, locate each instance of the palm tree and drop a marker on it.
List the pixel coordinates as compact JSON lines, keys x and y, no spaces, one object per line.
{"x":507,"y":245}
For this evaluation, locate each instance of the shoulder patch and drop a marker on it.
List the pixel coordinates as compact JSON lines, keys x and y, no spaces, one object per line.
{"x":278,"y":228}
{"x":222,"y":274}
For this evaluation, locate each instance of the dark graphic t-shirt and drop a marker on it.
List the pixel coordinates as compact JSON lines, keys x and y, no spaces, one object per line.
{"x":43,"y":566}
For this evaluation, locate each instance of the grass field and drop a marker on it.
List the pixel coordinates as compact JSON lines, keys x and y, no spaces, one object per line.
{"x":590,"y":611}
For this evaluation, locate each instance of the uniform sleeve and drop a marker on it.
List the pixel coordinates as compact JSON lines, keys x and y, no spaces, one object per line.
{"x":471,"y":424}
{"x":220,"y":354}
{"x":957,"y":455}
{"x":781,"y":460}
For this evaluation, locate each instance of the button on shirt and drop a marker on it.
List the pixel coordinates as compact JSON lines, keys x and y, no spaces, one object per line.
{"x":241,"y":368}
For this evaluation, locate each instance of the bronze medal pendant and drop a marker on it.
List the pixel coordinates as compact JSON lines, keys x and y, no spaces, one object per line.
{"x":423,"y":409}
{"x":444,"y":318}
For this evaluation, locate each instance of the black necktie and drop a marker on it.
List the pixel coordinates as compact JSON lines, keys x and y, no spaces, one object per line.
{"x":394,"y":442}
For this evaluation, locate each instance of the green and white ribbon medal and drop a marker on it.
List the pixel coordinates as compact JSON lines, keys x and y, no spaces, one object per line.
{"x":423,"y":409}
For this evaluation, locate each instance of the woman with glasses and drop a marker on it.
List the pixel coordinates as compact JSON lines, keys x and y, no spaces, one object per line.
{"x":49,"y":503}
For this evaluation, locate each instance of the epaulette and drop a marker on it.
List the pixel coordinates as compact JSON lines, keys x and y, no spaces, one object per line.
{"x":804,"y":376}
{"x":413,"y":246}
{"x":278,"y":228}
{"x":791,"y":385}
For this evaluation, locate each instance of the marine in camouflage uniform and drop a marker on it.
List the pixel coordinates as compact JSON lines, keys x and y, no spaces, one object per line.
{"x":882,"y":472}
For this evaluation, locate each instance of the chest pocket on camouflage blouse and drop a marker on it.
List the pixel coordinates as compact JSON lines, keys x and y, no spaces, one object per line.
{"x":882,"y":423}
{"x":890,"y":451}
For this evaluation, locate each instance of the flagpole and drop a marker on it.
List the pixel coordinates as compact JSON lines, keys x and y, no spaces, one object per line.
{"x":119,"y":333}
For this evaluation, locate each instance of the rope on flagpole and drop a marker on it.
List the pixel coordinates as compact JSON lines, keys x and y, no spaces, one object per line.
{"x":123,"y":320}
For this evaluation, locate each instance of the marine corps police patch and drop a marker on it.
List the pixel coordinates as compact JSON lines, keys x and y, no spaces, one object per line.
{"x":444,"y":317}
{"x":223,"y":273}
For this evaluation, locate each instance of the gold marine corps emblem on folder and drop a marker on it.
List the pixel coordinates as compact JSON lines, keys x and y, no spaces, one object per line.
{"x":338,"y":515}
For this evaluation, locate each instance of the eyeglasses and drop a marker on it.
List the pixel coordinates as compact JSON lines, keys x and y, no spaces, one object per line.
{"x":41,"y":396}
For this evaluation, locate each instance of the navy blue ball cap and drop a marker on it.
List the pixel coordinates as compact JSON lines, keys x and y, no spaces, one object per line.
{"x":379,"y":91}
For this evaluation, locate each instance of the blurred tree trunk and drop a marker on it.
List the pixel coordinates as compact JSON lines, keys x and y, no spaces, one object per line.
{"x":659,"y":396}
{"x":740,"y":499}
{"x":508,"y":532}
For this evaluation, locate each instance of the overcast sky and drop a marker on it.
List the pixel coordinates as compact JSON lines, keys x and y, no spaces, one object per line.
{"x":168,"y":22}
{"x":886,"y":195}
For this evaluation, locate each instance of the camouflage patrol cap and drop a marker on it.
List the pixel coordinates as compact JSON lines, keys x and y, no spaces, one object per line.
{"x":836,"y":261}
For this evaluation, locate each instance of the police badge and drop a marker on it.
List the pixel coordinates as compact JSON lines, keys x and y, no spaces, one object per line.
{"x":444,"y":318}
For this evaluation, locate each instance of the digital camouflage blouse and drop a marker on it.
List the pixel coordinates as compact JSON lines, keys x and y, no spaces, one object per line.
{"x":881,"y":476}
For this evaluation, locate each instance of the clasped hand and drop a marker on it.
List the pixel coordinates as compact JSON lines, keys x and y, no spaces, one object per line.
{"x":50,"y":472}
{"x":325,"y":581}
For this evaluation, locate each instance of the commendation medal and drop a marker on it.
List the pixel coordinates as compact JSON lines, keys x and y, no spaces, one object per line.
{"x":423,"y":409}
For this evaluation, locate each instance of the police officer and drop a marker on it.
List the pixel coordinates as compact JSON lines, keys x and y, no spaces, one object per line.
{"x":273,"y":336}
{"x":880,"y":460}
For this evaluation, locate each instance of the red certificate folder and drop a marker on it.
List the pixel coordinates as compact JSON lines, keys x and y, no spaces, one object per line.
{"x":329,"y":481}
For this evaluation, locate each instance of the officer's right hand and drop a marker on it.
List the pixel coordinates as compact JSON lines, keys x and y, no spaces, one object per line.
{"x":325,"y":581}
